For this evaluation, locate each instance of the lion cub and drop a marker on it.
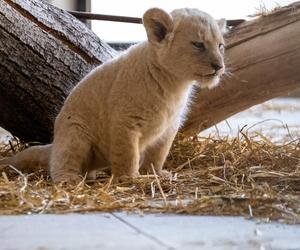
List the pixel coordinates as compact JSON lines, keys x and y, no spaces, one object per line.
{"x":131,"y":107}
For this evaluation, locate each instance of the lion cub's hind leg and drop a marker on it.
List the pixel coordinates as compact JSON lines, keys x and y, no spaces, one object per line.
{"x":70,"y":152}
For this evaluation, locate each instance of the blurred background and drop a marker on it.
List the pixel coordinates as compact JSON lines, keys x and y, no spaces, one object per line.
{"x":126,"y":32}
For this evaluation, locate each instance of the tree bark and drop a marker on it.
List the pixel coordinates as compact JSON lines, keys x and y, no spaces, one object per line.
{"x":44,"y":52}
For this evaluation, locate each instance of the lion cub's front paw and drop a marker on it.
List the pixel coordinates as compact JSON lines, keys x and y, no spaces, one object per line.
{"x":117,"y":179}
{"x":164,"y":174}
{"x":68,"y":179}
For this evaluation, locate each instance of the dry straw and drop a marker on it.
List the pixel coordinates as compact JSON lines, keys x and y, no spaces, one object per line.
{"x":248,"y":176}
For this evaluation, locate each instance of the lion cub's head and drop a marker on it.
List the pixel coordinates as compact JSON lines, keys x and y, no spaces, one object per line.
{"x":188,"y":43}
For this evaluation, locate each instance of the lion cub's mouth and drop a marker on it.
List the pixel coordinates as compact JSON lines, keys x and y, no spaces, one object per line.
{"x":211,"y":75}
{"x":208,"y":75}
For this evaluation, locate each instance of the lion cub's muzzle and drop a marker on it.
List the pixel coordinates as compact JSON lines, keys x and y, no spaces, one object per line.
{"x":219,"y":70}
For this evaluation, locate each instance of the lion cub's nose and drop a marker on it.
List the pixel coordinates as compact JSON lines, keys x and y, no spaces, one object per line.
{"x":216,"y":67}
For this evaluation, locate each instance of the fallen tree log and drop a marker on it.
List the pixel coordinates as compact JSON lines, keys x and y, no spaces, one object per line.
{"x":45,"y":51}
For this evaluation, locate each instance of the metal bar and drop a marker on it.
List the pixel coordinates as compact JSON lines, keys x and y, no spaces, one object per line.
{"x":93,"y":16}
{"x":127,"y":19}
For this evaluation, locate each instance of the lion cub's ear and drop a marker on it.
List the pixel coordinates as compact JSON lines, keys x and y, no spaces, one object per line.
{"x":158,"y":24}
{"x":222,"y":25}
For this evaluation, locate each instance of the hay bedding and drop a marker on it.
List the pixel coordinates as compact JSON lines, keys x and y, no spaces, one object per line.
{"x":248,"y":176}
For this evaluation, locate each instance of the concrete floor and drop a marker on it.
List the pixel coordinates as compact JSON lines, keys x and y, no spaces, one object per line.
{"x":121,"y":231}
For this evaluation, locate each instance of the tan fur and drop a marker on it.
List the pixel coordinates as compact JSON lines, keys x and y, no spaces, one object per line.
{"x":29,"y":160}
{"x":131,"y":107}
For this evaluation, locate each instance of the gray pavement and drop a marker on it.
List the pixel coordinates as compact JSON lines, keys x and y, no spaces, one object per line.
{"x":121,"y":231}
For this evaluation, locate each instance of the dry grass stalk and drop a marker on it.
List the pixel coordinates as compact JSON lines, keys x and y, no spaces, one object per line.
{"x":262,"y":10}
{"x":159,"y":186}
{"x":246,"y":175}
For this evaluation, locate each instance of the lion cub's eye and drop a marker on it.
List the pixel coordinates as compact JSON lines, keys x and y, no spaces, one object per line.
{"x":199,"y":45}
{"x":222,"y":47}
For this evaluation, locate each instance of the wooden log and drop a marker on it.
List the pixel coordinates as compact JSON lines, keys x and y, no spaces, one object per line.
{"x":263,"y":58}
{"x":44,"y":52}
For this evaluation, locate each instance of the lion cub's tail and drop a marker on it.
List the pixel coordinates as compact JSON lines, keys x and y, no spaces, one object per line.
{"x":29,"y":160}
